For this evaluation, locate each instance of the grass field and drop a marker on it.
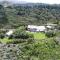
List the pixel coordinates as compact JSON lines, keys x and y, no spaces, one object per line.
{"x":38,"y":35}
{"x":5,"y":40}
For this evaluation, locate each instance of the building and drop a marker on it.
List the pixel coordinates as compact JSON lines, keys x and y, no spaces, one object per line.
{"x":34,"y":28}
{"x":10,"y":32}
{"x":49,"y":27}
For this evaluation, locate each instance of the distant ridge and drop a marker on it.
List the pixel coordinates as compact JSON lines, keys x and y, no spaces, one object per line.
{"x":20,"y":2}
{"x":6,"y":3}
{"x":14,"y":2}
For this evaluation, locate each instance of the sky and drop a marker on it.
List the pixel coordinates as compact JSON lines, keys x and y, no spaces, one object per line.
{"x":45,"y":1}
{"x":39,"y":1}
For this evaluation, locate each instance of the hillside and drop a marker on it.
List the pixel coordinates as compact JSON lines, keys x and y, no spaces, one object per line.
{"x":18,"y":42}
{"x":30,"y":13}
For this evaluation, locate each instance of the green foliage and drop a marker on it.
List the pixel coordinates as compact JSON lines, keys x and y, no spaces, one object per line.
{"x":24,"y":15}
{"x":2,"y":31}
{"x":5,"y":40}
{"x":10,"y":37}
{"x":2,"y":36}
{"x":41,"y":50}
{"x":3,"y":17}
{"x":50,"y":34}
{"x":36,"y":14}
{"x":21,"y":33}
{"x":38,"y":35}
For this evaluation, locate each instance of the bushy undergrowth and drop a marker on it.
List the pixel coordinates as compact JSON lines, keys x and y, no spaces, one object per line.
{"x":50,"y":34}
{"x":22,"y":34}
{"x":41,"y":50}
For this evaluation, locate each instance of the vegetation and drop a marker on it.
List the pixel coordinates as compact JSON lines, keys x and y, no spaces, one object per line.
{"x":31,"y":45}
{"x":38,"y":35}
{"x":22,"y":34}
{"x":41,"y":50}
{"x":50,"y":34}
{"x":23,"y":15}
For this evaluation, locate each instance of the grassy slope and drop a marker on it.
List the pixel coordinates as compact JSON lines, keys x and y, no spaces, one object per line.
{"x":5,"y":40}
{"x":38,"y":35}
{"x":45,"y":49}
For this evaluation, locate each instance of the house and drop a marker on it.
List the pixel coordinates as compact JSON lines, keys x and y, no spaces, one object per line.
{"x":10,"y":32}
{"x":34,"y":28}
{"x":51,"y":25}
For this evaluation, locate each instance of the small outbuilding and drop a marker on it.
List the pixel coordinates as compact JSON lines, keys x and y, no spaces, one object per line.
{"x":10,"y":32}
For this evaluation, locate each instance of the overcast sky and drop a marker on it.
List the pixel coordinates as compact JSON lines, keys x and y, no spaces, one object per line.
{"x":39,"y":1}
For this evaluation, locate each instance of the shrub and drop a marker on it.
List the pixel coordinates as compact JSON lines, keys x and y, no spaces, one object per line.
{"x":31,"y":36}
{"x":22,"y":34}
{"x":2,"y":36}
{"x":30,"y":40}
{"x":50,"y":34}
{"x":2,"y":31}
{"x":11,"y":36}
{"x":16,"y":41}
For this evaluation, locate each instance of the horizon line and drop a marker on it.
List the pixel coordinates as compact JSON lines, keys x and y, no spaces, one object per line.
{"x":25,"y":2}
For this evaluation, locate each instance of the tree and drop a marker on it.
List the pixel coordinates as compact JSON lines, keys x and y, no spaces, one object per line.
{"x":50,"y":34}
{"x":21,"y":33}
{"x":3,"y":17}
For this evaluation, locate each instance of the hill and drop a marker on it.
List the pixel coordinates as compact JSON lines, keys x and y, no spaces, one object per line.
{"x":31,"y":13}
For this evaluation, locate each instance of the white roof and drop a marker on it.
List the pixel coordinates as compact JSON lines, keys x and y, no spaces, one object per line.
{"x":49,"y":26}
{"x":39,"y":28}
{"x":32,"y":26}
{"x":9,"y":32}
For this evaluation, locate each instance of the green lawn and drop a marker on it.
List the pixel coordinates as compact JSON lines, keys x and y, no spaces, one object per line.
{"x":5,"y":40}
{"x":38,"y":35}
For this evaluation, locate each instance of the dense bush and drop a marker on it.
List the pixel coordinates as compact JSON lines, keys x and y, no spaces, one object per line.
{"x":50,"y":34}
{"x":23,"y":15}
{"x":2,"y":31}
{"x":2,"y":36}
{"x":22,"y":34}
{"x":11,"y":37}
{"x":15,"y":41}
{"x":40,"y":50}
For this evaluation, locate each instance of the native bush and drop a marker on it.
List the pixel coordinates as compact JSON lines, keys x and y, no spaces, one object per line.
{"x":50,"y":34}
{"x":22,"y":34}
{"x":2,"y":36}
